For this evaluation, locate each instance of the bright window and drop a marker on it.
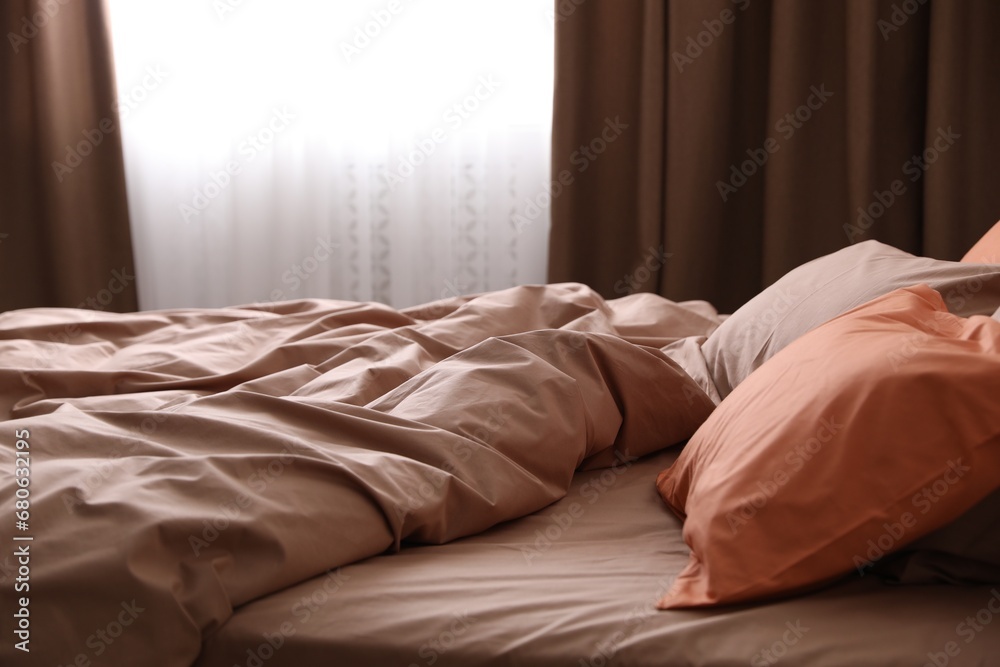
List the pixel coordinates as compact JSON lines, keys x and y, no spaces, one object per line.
{"x":387,"y":147}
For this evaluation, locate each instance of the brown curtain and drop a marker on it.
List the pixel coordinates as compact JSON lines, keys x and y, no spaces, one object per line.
{"x":64,"y":231}
{"x":757,"y":129}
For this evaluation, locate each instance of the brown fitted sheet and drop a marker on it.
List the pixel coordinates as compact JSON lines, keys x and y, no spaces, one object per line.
{"x":584,"y":595}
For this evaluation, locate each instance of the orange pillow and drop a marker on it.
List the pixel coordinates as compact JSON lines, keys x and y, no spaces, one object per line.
{"x":987,"y":249}
{"x":863,"y":435}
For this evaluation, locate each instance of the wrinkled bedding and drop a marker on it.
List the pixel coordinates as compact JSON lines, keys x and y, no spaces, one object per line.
{"x":187,"y":462}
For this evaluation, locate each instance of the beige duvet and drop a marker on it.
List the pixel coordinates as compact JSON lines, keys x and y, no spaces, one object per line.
{"x":184,"y":463}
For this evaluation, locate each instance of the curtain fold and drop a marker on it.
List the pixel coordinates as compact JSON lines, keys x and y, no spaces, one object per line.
{"x":64,"y":228}
{"x":764,"y":133}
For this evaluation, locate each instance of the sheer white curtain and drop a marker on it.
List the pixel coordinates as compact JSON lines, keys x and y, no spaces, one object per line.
{"x":390,"y":150}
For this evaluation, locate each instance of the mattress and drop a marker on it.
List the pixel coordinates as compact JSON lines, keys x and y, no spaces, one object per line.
{"x":576,"y":584}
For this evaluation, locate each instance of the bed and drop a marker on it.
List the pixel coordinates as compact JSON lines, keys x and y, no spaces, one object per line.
{"x":524,"y":477}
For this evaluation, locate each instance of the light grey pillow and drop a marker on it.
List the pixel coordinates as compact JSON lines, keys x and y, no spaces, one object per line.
{"x":826,"y":287}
